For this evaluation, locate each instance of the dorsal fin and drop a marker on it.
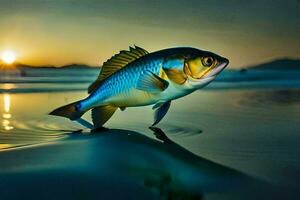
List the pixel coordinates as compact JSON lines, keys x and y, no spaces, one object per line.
{"x":117,"y":62}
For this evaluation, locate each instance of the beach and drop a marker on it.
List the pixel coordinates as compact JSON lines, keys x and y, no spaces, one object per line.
{"x":221,"y":81}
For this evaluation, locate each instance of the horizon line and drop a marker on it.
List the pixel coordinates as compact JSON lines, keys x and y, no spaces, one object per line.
{"x":94,"y":66}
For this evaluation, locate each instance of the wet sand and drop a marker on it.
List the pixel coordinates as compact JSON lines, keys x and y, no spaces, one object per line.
{"x":122,"y":164}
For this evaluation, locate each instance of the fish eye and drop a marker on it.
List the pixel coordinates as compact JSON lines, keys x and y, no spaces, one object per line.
{"x":207,"y":61}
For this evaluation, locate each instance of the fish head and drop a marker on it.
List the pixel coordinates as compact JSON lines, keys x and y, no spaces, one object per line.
{"x":202,"y":67}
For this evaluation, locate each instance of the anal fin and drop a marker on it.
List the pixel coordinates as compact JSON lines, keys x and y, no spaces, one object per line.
{"x":102,"y":114}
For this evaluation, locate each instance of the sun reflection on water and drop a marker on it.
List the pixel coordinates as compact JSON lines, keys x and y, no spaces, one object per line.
{"x":6,"y":114}
{"x":5,"y":146}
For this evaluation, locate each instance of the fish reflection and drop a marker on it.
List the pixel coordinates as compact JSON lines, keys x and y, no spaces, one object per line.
{"x":117,"y":164}
{"x":6,"y":116}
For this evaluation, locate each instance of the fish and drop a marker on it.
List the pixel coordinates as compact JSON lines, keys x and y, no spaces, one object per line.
{"x":135,"y":77}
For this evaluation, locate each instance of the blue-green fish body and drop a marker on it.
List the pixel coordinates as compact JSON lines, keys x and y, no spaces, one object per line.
{"x":138,"y":78}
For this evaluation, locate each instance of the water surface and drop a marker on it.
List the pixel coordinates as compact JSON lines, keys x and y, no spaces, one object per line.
{"x":253,"y":130}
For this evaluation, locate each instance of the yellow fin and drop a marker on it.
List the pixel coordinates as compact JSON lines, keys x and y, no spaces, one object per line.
{"x":102,"y":114}
{"x":176,"y":75}
{"x":117,"y":62}
{"x":150,"y":82}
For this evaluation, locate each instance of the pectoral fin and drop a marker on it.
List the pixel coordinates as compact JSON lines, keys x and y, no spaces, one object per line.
{"x":150,"y":82}
{"x":173,"y":67}
{"x":102,"y":114}
{"x":160,"y":111}
{"x":176,"y":75}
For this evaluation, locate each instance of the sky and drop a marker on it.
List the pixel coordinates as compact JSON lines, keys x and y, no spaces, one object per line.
{"x":59,"y":32}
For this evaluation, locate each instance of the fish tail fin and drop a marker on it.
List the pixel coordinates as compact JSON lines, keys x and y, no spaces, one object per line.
{"x":70,"y":111}
{"x":102,"y":114}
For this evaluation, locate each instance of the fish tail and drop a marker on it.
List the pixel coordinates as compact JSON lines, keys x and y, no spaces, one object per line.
{"x":70,"y":111}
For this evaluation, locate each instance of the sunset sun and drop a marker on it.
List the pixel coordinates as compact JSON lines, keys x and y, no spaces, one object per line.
{"x":8,"y":56}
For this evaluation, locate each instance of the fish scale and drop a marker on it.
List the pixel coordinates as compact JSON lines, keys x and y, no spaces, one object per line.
{"x":125,"y":82}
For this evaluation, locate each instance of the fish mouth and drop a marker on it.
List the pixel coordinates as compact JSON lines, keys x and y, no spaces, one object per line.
{"x":217,"y":70}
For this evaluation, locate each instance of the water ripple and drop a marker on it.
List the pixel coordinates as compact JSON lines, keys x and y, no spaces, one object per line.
{"x":34,"y":132}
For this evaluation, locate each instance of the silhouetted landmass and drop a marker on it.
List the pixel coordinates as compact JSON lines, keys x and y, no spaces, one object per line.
{"x":24,"y":70}
{"x":280,"y":64}
{"x":24,"y":66}
{"x":77,"y":66}
{"x":70,"y":66}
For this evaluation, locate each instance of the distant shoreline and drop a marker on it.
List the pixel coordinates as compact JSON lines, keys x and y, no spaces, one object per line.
{"x":278,"y":64}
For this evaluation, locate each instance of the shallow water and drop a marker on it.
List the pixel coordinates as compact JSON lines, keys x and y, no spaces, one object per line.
{"x":255,"y":131}
{"x":252,"y":127}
